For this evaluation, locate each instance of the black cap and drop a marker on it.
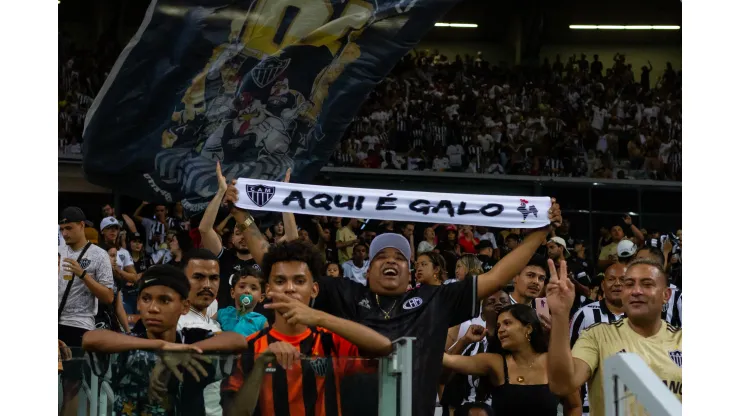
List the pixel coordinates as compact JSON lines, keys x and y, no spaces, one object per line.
{"x":484,"y":244}
{"x":136,"y":237}
{"x":71,"y":214}
{"x":166,"y":275}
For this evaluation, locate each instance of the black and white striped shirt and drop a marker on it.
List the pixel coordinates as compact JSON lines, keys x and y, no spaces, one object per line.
{"x":439,"y":133}
{"x":672,"y":309}
{"x":472,"y":394}
{"x":591,"y":314}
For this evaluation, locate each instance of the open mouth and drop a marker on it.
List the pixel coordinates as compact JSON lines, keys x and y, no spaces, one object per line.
{"x":389,"y":271}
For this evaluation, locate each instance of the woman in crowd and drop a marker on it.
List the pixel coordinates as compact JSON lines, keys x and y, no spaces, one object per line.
{"x":519,"y":374}
{"x":430,"y":241}
{"x":462,"y":392}
{"x":468,"y":265}
{"x":430,"y":269}
{"x":178,"y":243}
{"x":278,"y":233}
{"x":142,"y":262}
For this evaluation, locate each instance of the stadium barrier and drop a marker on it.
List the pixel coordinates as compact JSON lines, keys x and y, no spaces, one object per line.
{"x":632,"y":388}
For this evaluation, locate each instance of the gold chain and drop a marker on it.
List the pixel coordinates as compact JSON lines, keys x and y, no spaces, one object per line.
{"x":387,"y":314}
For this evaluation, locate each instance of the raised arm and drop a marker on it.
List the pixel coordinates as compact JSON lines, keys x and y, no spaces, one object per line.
{"x":137,"y":213}
{"x":209,"y":237}
{"x":565,"y":373}
{"x":256,"y":241}
{"x":477,"y":365}
{"x":129,"y":223}
{"x":367,"y":341}
{"x":291,"y":228}
{"x":505,"y":270}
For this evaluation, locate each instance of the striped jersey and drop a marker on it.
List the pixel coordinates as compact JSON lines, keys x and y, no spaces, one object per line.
{"x":587,"y":316}
{"x":672,"y":309}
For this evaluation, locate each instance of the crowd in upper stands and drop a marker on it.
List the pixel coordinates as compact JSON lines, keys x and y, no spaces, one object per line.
{"x":578,"y":118}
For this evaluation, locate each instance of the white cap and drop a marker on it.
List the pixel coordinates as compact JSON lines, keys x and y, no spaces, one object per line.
{"x":108,"y":222}
{"x":390,"y":240}
{"x":559,"y":241}
{"x":626,"y":248}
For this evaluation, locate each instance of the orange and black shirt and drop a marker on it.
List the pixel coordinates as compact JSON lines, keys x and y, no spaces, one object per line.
{"x":310,"y":387}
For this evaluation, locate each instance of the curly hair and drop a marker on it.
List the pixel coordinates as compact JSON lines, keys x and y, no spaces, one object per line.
{"x":295,"y":250}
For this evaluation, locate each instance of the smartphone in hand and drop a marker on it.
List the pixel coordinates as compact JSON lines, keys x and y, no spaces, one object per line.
{"x":541,"y":307}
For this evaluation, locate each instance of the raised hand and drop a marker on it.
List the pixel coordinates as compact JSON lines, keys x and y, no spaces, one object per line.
{"x":293,"y":310}
{"x":554,"y":215}
{"x":475,"y":333}
{"x":560,"y":290}
{"x":287,"y":176}
{"x":222,"y":184}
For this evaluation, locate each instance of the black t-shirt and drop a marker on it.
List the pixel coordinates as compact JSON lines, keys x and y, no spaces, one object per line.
{"x":229,"y":264}
{"x":424,"y":313}
{"x":487,"y":262}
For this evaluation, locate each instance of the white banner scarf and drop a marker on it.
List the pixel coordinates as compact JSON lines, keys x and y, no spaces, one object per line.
{"x":381,"y":204}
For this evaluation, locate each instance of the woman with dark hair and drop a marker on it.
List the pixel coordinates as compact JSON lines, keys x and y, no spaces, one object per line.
{"x":519,"y":375}
{"x":178,"y":243}
{"x":431,"y":269}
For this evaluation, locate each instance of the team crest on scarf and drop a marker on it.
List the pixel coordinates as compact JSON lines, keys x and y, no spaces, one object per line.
{"x":320,"y":366}
{"x":260,"y":194}
{"x":676,"y":357}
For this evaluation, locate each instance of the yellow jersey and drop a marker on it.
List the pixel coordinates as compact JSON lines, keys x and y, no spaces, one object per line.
{"x":661,"y":352}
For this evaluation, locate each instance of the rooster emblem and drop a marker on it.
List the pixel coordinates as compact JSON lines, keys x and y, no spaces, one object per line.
{"x":525,"y":211}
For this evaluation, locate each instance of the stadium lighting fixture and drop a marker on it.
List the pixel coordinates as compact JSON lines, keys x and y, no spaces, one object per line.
{"x":467,"y":25}
{"x":625,"y":27}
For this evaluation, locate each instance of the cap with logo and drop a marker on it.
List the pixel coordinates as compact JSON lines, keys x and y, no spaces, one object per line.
{"x":71,"y":214}
{"x":390,"y":240}
{"x":626,"y":248}
{"x":109,"y":222}
{"x":166,"y":275}
{"x":559,"y":241}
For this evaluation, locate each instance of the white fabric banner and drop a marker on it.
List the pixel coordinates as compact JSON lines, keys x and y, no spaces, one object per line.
{"x":383,"y":204}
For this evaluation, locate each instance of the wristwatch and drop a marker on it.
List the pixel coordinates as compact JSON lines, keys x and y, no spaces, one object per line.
{"x":244,"y":225}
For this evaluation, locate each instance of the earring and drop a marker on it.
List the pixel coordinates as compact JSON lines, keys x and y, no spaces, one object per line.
{"x":529,"y":337}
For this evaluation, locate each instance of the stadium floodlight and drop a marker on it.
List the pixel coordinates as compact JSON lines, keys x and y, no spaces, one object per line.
{"x":625,"y":27}
{"x":466,"y":25}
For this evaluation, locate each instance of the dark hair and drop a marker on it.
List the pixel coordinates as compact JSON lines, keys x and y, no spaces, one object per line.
{"x":183,"y":240}
{"x":326,"y":268}
{"x":649,"y":262}
{"x":249,"y":271}
{"x":512,"y":237}
{"x":198,"y":254}
{"x":295,"y":250}
{"x":527,"y":316}
{"x":367,"y":247}
{"x":655,"y":253}
{"x":437,"y":261}
{"x":539,"y":261}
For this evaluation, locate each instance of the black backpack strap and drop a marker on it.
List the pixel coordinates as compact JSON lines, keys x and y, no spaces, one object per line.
{"x":69,"y":284}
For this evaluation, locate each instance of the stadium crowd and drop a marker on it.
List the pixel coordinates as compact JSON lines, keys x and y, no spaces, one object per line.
{"x":504,"y":320}
{"x":579,"y":118}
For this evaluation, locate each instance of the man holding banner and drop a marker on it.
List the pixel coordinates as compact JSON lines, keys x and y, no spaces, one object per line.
{"x":385,"y":305}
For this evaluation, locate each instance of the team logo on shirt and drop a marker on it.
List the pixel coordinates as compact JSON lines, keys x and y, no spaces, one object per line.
{"x":260,"y":194}
{"x":413,"y":303}
{"x":676,"y":357}
{"x":319,"y":366}
{"x":84,"y":263}
{"x":365,"y":304}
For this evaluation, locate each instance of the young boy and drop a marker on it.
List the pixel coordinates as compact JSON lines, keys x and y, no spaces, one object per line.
{"x":299,"y":331}
{"x":247,"y":290}
{"x":163,"y":294}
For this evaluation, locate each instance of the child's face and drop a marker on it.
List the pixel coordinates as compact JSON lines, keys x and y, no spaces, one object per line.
{"x":332,"y":270}
{"x":249,"y":285}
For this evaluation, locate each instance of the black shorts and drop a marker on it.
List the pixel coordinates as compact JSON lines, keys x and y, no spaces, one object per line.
{"x":72,"y":336}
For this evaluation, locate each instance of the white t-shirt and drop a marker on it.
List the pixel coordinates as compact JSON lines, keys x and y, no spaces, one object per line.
{"x":598,"y":120}
{"x":354,"y":273}
{"x":212,"y":392}
{"x":82,"y":305}
{"x":465,"y":325}
{"x":371,"y":141}
{"x":424,"y":247}
{"x":124,"y":259}
{"x":194,"y":319}
{"x":487,"y":236}
{"x":440,"y":163}
{"x":486,"y":140}
{"x":455,"y":152}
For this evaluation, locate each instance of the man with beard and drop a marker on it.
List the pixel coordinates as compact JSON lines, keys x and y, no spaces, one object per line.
{"x":202,"y":272}
{"x":528,"y":283}
{"x":607,"y":310}
{"x":642,"y":332}
{"x":485,"y":254}
{"x":424,"y":313}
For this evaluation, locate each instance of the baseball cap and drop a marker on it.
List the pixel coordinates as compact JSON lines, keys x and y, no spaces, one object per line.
{"x":559,"y":241}
{"x":109,"y":222}
{"x":626,"y":248}
{"x":71,"y":214}
{"x":135,"y":237}
{"x":390,"y":240}
{"x":166,"y":275}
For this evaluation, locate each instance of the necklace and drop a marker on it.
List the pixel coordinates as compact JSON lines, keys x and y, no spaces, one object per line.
{"x":520,"y":379}
{"x":387,"y":314}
